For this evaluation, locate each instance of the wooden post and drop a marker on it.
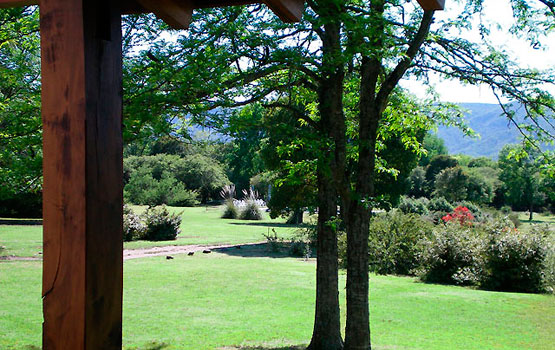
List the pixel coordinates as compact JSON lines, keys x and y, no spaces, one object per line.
{"x":82,"y":111}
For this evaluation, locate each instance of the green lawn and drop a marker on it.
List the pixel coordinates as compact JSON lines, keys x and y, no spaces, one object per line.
{"x":221,"y":301}
{"x":200,"y":225}
{"x":538,"y":219}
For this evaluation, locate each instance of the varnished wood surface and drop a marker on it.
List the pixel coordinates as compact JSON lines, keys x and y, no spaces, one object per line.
{"x":176,"y":13}
{"x":17,"y":3}
{"x":430,"y":5}
{"x":81,"y":97}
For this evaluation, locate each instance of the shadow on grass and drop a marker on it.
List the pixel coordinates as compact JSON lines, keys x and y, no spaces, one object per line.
{"x":266,"y":224}
{"x":152,"y":346}
{"x":261,"y":250}
{"x":271,"y":347}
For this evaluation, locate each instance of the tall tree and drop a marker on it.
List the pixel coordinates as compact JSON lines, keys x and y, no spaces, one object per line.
{"x":520,"y":174}
{"x":340,"y":47}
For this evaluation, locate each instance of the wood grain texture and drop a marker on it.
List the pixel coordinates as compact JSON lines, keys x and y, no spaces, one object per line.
{"x":17,"y":3}
{"x":288,"y":11}
{"x":430,"y":5}
{"x":176,"y":13}
{"x":81,"y":97}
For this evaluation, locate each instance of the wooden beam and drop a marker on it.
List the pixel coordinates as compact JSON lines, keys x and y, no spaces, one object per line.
{"x":431,"y":5}
{"x":288,"y":11}
{"x":82,"y":146}
{"x":17,"y":3}
{"x":176,"y":13}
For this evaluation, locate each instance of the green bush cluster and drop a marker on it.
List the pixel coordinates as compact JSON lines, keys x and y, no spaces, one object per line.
{"x":394,"y":242}
{"x":492,"y":254}
{"x":452,"y":254}
{"x":172,"y":179}
{"x":155,"y":224}
{"x":410,"y":205}
{"x":133,"y":227}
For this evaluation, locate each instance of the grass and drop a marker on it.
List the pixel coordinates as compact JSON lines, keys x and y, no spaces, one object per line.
{"x":538,"y":219}
{"x":200,"y":225}
{"x":203,"y":225}
{"x":20,"y":240}
{"x":220,"y":301}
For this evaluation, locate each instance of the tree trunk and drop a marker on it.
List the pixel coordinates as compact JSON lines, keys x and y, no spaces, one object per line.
{"x":531,"y":212}
{"x":296,"y":217}
{"x":327,"y":327}
{"x":327,"y":331}
{"x":357,"y":330}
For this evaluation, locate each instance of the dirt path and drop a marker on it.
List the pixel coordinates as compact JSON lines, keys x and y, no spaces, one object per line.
{"x":154,"y":251}
{"x":178,"y":249}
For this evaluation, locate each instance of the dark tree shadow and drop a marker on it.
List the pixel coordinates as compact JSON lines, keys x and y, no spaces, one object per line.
{"x":152,"y":346}
{"x":289,"y":347}
{"x":266,"y":224}
{"x":262,"y":250}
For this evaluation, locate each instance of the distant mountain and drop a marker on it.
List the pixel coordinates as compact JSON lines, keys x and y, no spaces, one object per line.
{"x":494,"y":129}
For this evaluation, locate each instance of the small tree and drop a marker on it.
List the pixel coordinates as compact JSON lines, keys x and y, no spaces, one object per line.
{"x":451,"y":183}
{"x":520,"y":174}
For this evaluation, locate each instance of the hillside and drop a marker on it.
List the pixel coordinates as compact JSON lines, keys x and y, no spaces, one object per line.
{"x":495,"y":131}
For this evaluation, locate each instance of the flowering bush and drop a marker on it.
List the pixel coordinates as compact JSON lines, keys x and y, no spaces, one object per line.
{"x":460,"y":214}
{"x":161,"y":225}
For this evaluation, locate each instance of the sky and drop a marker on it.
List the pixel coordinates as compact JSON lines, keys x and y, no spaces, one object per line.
{"x":527,"y":57}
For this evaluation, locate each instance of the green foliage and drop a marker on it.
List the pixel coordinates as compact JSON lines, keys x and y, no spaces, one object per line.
{"x":133,"y":228}
{"x":452,"y":184}
{"x":453,"y":254}
{"x":273,"y":240}
{"x":172,"y":179}
{"x":434,"y":146}
{"x":440,"y":204}
{"x":20,"y":118}
{"x":437,"y":164}
{"x":394,"y":242}
{"x":230,"y":210}
{"x":482,"y":162}
{"x":160,"y":224}
{"x":414,"y":205}
{"x":549,"y":264}
{"x":417,"y":182}
{"x":515,"y":260}
{"x":143,"y":188}
{"x":521,"y":177}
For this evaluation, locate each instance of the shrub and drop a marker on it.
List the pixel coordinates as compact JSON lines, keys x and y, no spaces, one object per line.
{"x":303,"y":241}
{"x":274,"y":242}
{"x":144,"y":188}
{"x":230,"y":210}
{"x":133,"y":228}
{"x":160,"y":224}
{"x":461,"y":215}
{"x":453,"y":254}
{"x":549,"y":264}
{"x":440,"y":204}
{"x":411,"y":205}
{"x":393,"y":242}
{"x":514,"y":260}
{"x":251,"y":211}
{"x":514,"y":219}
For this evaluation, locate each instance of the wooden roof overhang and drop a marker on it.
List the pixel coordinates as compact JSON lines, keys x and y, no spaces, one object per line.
{"x":177,"y":13}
